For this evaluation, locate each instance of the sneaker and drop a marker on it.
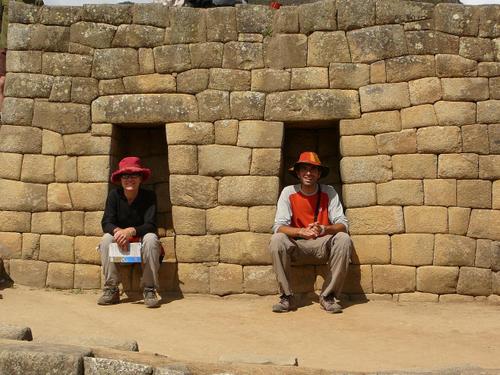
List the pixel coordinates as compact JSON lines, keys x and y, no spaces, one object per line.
{"x":329,"y":304}
{"x":150,"y":298}
{"x":110,"y":296}
{"x":284,"y":305}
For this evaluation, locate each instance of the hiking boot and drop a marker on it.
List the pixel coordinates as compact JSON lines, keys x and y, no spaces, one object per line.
{"x":329,"y":304}
{"x":284,"y":305}
{"x":110,"y":296}
{"x":150,"y":298}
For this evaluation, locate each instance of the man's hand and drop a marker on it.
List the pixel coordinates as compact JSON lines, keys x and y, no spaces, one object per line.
{"x":122,"y":236}
{"x":312,"y":231}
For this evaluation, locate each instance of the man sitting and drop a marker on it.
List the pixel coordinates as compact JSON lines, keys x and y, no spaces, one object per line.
{"x":310,"y":222}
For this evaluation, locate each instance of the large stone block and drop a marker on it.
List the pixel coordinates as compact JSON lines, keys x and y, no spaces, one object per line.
{"x":436,"y":279}
{"x":425,"y":90}
{"x":183,"y":159}
{"x":393,"y":279}
{"x":407,"y":68}
{"x":24,"y":61}
{"x":13,"y":221}
{"x":475,"y":139}
{"x":243,"y":55}
{"x":395,"y":12}
{"x":484,"y":253}
{"x":66,"y":64}
{"x":286,"y":21}
{"x":488,"y":69}
{"x":191,"y":249}
{"x":193,"y":278}
{"x":372,"y":123}
{"x":84,"y":90}
{"x":425,"y":42}
{"x":20,"y":196}
{"x":60,"y":275}
{"x":88,"y":196}
{"x":371,"y":249}
{"x":309,"y":78}
{"x":455,"y":113}
{"x":248,"y":190}
{"x":418,"y":116}
{"x":114,"y":14}
{"x":245,"y":248}
{"x":359,"y":280}
{"x":414,"y":166}
{"x":31,"y":246}
{"x":56,"y":248}
{"x":86,"y":250}
{"x":488,"y":111}
{"x":10,"y":245}
{"x":190,"y":133}
{"x":188,"y":220}
{"x":136,"y":36}
{"x":458,"y":166}
{"x":358,"y":145}
{"x":115,"y":63}
{"x":484,"y":224}
{"x":149,"y":83}
{"x":193,"y":191}
{"x":349,"y":76}
{"x":376,"y":43}
{"x":426,"y":219}
{"x":111,"y":86}
{"x":227,"y":219}
{"x":317,"y":16}
{"x":453,"y":250}
{"x":439,"y":139}
{"x":10,"y":165}
{"x":221,"y":24}
{"x":474,"y":193}
{"x":261,"y":218}
{"x":64,"y":118}
{"x":412,"y":249}
{"x":247,"y":105}
{"x":260,"y":134}
{"x":259,"y":280}
{"x":440,"y":192}
{"x":456,"y":19}
{"x":87,"y":276}
{"x":61,"y":89}
{"x":285,"y":51}
{"x":226,"y":279}
{"x":355,"y":14}
{"x":366,"y":169}
{"x":359,"y":195}
{"x":403,"y":142}
{"x":324,"y":48}
{"x":384,"y":96}
{"x":93,"y":223}
{"x":17,"y":111}
{"x":95,"y":35}
{"x":52,"y":143}
{"x":155,"y":14}
{"x":480,"y":49}
{"x":375,"y":220}
{"x":192,"y":81}
{"x":20,"y":139}
{"x":465,"y":89}
{"x":474,"y":281}
{"x":65,"y":169}
{"x":458,"y":220}
{"x":400,"y":192}
{"x":213,"y":105}
{"x":38,"y":168}
{"x":270,"y":80}
{"x":187,"y":25}
{"x":46,"y":222}
{"x":455,"y":66}
{"x":146,"y":108}
{"x":28,"y":272}
{"x":488,"y":19}
{"x":489,"y":167}
{"x":229,"y":79}
{"x":93,"y":168}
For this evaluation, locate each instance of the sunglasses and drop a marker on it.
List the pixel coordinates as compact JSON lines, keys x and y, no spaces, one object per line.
{"x":128,"y":176}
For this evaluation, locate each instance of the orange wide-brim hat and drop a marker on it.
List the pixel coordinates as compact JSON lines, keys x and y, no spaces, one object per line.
{"x":130,"y":164}
{"x":311,"y":158}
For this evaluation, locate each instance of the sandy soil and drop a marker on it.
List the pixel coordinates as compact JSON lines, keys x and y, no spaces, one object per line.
{"x":369,"y":336}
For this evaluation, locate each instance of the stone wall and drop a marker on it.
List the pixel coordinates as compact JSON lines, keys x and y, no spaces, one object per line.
{"x":412,"y":88}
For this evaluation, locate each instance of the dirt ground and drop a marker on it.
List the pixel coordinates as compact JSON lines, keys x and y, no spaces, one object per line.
{"x":372,"y":336}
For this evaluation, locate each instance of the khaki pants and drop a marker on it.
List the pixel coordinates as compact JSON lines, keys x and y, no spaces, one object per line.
{"x":150,"y":261}
{"x":334,"y":249}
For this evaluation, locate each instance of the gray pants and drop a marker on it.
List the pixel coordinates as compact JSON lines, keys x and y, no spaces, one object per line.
{"x":334,"y":249}
{"x":150,"y":261}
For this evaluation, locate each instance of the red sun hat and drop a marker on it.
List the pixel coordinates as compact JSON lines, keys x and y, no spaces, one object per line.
{"x":312,"y":158}
{"x":130,"y":164}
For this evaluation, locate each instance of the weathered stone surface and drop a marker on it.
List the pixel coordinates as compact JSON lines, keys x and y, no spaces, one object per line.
{"x":192,"y":81}
{"x":286,"y":20}
{"x":426,"y":219}
{"x":372,"y":123}
{"x":188,"y":220}
{"x":455,"y":66}
{"x":484,"y":224}
{"x":418,"y":116}
{"x":391,"y":12}
{"x":28,"y":272}
{"x":439,"y":139}
{"x":349,"y":76}
{"x":193,"y":278}
{"x":321,"y":104}
{"x":229,"y":79}
{"x":495,"y":256}
{"x":95,"y":35}
{"x":136,"y":36}
{"x":115,"y":63}
{"x":475,"y":138}
{"x":375,"y":220}
{"x":226,"y":279}
{"x":359,"y":279}
{"x":66,"y":64}
{"x":474,"y":281}
{"x":111,"y":86}
{"x":259,"y":280}
{"x":412,"y":249}
{"x":93,"y":223}
{"x":359,"y":195}
{"x":458,"y":220}
{"x":456,"y":19}
{"x":64,"y":118}
{"x":132,"y":108}
{"x":261,"y":218}
{"x":56,"y":248}
{"x":403,"y":142}
{"x":418,"y":297}
{"x":427,"y":42}
{"x":472,"y":89}
{"x":183,"y":159}
{"x":193,"y":191}
{"x":88,"y":196}
{"x":190,"y":133}
{"x":376,"y":43}
{"x":60,"y":275}
{"x":227,"y":219}
{"x":52,"y":143}
{"x":13,"y":221}
{"x":488,"y":69}
{"x":371,"y":249}
{"x":247,"y":105}
{"x":28,"y":85}
{"x":270,"y":80}
{"x":458,"y":166}
{"x":115,"y":14}
{"x":187,"y":25}
{"x":488,"y":111}
{"x":84,"y":90}
{"x":65,"y":169}
{"x":208,"y":55}
{"x":453,"y":250}
{"x":218,"y":160}
{"x":20,"y":196}
{"x":317,"y":16}
{"x":489,"y":167}
{"x":474,"y":193}
{"x":191,"y":249}
{"x":324,"y":48}
{"x":260,"y":134}
{"x":440,"y":192}
{"x":377,"y":72}
{"x":393,"y":279}
{"x":484,"y":253}
{"x":358,"y":145}
{"x":221,"y":24}
{"x":496,"y":195}
{"x":245,"y":248}
{"x":46,"y":222}
{"x":86,"y":250}
{"x":248,"y":190}
{"x":407,"y":68}
{"x":366,"y":169}
{"x":146,"y":61}
{"x":285,"y":51}
{"x":93,"y":168}
{"x":379,"y":97}
{"x":414,"y":166}
{"x":12,"y":332}
{"x":355,"y":14}
{"x":150,"y":83}
{"x":213,"y":105}
{"x":425,"y":90}
{"x":400,"y":192}
{"x":309,"y":78}
{"x":10,"y":165}
{"x":150,"y":14}
{"x":58,"y":197}
{"x":105,"y":365}
{"x":242,"y":55}
{"x":17,"y":111}
{"x":39,"y":37}
{"x":435,"y":279}
{"x":479,"y":49}
{"x":10,"y":245}
{"x":24,"y":61}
